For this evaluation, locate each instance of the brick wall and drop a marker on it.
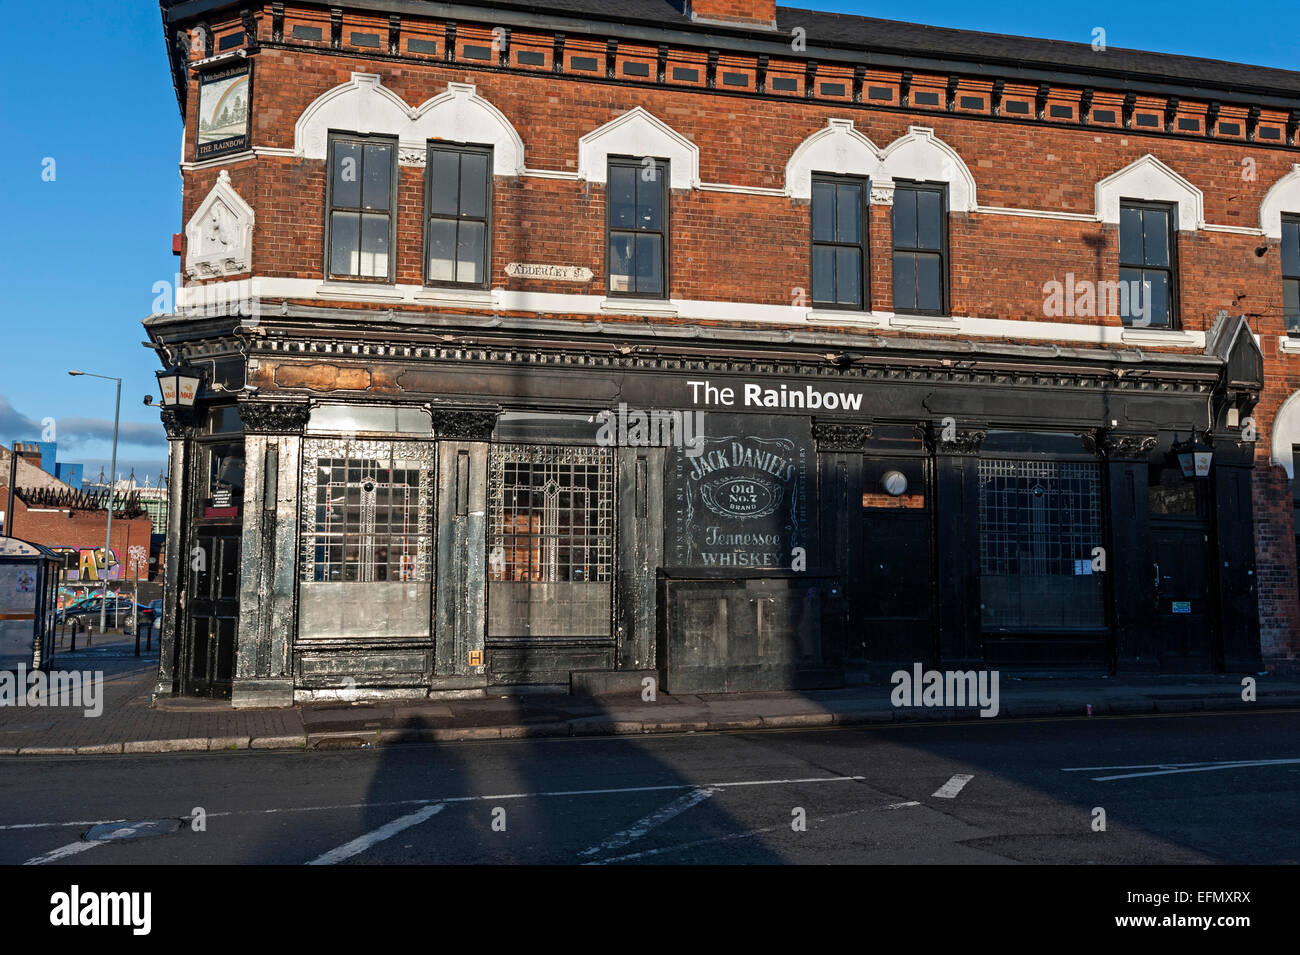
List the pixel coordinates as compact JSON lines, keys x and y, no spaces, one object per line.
{"x":83,"y":530}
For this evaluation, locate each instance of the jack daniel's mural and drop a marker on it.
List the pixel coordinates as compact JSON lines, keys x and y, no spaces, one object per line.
{"x":743,"y":502}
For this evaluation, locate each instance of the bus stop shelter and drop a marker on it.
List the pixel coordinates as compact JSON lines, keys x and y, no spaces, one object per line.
{"x":29,"y":585}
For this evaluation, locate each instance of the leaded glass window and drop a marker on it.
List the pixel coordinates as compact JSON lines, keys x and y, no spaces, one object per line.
{"x":550,"y":541}
{"x":367,"y":509}
{"x":1039,"y":523}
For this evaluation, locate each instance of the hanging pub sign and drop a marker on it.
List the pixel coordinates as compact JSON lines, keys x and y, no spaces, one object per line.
{"x":743,"y":503}
{"x":225,"y":106}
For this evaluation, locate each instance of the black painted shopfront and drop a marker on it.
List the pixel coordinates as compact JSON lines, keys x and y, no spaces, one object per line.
{"x":834,"y":512}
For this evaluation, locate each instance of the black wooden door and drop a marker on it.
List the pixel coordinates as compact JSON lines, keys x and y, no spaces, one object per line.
{"x":213,"y":613}
{"x":1184,"y":619}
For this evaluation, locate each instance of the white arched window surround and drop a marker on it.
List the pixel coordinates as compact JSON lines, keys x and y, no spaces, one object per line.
{"x":639,"y":132}
{"x":364,"y":105}
{"x":1149,"y":180}
{"x":920,"y":156}
{"x":1286,"y":434}
{"x":1283,"y":197}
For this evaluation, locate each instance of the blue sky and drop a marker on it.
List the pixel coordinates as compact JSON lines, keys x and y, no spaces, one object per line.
{"x":89,"y":88}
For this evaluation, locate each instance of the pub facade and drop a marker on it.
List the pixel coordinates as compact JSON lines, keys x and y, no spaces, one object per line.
{"x":730,"y":345}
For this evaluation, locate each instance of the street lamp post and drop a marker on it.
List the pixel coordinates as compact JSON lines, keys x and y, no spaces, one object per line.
{"x":112,"y":487}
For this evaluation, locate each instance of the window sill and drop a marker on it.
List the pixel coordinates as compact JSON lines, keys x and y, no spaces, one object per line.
{"x":467,"y":297}
{"x":925,"y":323}
{"x":1157,"y":336}
{"x":639,"y":306}
{"x":843,"y":316}
{"x":1288,"y":345}
{"x":359,"y":291}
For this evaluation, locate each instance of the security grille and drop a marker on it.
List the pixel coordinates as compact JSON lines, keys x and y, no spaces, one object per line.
{"x":1037,"y":518}
{"x":366,"y":511}
{"x":552,"y":514}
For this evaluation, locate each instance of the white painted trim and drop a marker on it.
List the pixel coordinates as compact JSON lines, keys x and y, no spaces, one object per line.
{"x":1288,"y":345}
{"x":232,"y":159}
{"x":1286,"y":432}
{"x":365,"y":105}
{"x":1284,"y":196}
{"x":1147,"y":178}
{"x":1037,"y":213}
{"x":565,"y":303}
{"x":923,"y":157}
{"x":839,"y":149}
{"x":639,"y":132}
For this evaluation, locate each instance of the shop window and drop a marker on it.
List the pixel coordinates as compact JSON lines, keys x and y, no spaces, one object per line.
{"x":839,"y":242}
{"x":224,"y":419}
{"x":1171,"y":494}
{"x":458,"y":197}
{"x":637,"y":227}
{"x":366,"y":512}
{"x":1291,"y":273}
{"x":920,"y":248}
{"x":1146,"y":260}
{"x":362,"y":180}
{"x":1039,"y":523}
{"x":550,"y":541}
{"x":349,"y":419}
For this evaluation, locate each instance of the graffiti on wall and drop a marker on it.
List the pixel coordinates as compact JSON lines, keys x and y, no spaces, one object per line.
{"x":88,"y":562}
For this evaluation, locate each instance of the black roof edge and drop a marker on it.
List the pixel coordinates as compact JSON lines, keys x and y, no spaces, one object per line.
{"x":740,"y":38}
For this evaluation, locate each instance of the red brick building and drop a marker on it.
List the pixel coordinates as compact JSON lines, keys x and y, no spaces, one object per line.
{"x":949,"y":306}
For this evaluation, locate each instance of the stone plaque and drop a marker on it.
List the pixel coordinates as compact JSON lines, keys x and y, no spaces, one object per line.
{"x":556,"y":273}
{"x":745,"y":501}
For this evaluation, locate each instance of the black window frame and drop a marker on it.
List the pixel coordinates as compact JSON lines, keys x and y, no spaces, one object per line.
{"x":663,"y":170}
{"x":362,"y":139}
{"x":863,"y":244}
{"x":1290,"y":280}
{"x":943,"y":252}
{"x":1171,"y":211}
{"x":459,"y":149}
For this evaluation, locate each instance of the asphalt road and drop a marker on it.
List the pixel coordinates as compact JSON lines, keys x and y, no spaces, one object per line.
{"x":1174,"y":789}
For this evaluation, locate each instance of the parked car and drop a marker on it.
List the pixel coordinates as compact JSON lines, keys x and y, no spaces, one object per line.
{"x":120,"y":611}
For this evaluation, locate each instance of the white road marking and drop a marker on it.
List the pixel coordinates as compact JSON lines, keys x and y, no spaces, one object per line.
{"x":395,"y":804}
{"x":386,"y":831}
{"x":54,"y":825}
{"x":62,"y":853}
{"x":952,"y":787}
{"x":743,"y":835}
{"x":1173,"y":769}
{"x":657,"y":818}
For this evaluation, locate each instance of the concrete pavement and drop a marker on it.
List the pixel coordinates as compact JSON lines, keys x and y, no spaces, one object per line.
{"x":130,"y":724}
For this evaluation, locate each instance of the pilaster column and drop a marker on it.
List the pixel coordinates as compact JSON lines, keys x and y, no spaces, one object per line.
{"x":1234,"y":551}
{"x":460,"y":624}
{"x":178,"y":424}
{"x":1128,"y":556}
{"x":268,"y":552}
{"x":956,"y":494}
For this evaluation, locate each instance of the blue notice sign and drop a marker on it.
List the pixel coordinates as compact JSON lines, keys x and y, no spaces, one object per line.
{"x":1182,"y":606}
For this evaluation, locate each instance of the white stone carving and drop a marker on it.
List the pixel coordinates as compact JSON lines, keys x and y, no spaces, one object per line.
{"x":1151,"y":180}
{"x":639,"y":133}
{"x":365,"y":105}
{"x":219,"y":236}
{"x":1283,"y":197}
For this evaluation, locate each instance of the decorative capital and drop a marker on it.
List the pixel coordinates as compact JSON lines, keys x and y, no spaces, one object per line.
{"x":841,"y":437}
{"x":464,"y":425}
{"x":959,"y":441}
{"x":1118,"y":446}
{"x":178,"y":423}
{"x":882,"y":193}
{"x":279,"y":417}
